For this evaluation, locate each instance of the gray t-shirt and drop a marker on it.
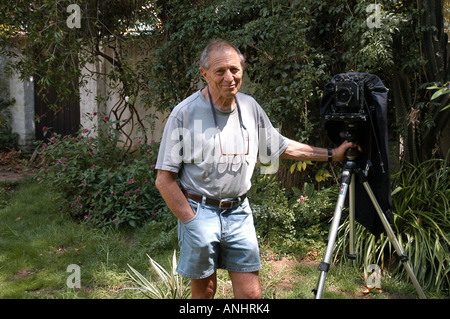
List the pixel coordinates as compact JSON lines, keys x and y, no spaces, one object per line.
{"x":213,"y":164}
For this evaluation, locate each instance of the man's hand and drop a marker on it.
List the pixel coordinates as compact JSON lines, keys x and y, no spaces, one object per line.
{"x":173,"y":196}
{"x":303,"y":152}
{"x":339,"y":152}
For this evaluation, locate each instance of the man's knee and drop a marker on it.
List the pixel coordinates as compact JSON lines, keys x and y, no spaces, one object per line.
{"x":246,"y":285}
{"x":204,"y":288}
{"x":253,"y":293}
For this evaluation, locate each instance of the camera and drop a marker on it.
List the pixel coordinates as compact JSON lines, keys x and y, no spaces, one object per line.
{"x":348,"y":102}
{"x":347,"y":96}
{"x":354,"y":108}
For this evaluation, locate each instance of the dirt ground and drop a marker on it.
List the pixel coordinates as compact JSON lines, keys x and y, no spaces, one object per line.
{"x":12,"y":175}
{"x":14,"y":167}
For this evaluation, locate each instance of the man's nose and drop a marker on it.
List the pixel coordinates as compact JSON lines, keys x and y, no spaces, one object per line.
{"x":228,"y":76}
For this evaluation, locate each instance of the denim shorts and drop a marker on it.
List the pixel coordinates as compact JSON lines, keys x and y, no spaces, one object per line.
{"x":216,"y":238}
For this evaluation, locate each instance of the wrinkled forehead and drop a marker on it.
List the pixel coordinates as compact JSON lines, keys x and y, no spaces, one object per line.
{"x":224,"y":57}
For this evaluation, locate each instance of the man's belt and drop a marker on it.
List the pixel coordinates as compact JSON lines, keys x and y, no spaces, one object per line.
{"x":226,"y":203}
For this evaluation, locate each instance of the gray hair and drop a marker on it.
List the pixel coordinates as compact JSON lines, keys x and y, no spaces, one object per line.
{"x":218,"y":44}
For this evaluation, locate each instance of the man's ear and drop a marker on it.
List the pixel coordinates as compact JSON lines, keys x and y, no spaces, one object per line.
{"x":203,"y":72}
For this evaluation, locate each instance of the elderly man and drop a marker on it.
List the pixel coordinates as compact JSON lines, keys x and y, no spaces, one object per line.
{"x":211,"y":142}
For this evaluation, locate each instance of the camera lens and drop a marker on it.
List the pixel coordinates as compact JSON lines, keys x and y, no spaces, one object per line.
{"x":343,"y":95}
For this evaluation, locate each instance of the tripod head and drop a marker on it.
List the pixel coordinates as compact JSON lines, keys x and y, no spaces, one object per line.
{"x":352,"y":154}
{"x":350,"y":133}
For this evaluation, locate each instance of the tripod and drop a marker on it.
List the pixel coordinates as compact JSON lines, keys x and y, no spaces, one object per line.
{"x":348,"y":179}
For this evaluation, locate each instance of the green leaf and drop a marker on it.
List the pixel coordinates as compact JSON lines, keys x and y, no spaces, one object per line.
{"x":293,"y":166}
{"x":395,"y":191}
{"x":439,"y":93}
{"x":444,"y":108}
{"x":309,"y":189}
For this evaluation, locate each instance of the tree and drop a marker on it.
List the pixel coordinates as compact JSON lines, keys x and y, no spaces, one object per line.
{"x":420,"y":120}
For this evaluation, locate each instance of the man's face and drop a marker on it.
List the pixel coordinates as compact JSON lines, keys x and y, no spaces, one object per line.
{"x":224,"y":75}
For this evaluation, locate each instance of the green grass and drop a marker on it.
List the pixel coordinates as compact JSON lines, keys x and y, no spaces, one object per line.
{"x":38,"y":241}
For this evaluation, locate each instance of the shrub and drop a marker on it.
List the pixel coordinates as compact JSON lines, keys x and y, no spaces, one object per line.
{"x":273,"y":217}
{"x":313,"y":209}
{"x":313,"y":206}
{"x":291,"y":219}
{"x":103,"y":184}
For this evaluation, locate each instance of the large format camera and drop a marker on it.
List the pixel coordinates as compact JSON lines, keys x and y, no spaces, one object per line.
{"x":348,"y":102}
{"x":354,"y":108}
{"x":348,"y":108}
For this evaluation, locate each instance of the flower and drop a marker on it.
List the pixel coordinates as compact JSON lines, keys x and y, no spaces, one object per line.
{"x":131,"y":181}
{"x":302,"y":199}
{"x":106,"y":118}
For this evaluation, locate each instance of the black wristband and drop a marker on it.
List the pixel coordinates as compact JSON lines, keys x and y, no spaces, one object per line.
{"x":330,"y":155}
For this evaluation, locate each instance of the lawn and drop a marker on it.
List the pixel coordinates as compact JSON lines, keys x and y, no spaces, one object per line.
{"x":38,"y":242}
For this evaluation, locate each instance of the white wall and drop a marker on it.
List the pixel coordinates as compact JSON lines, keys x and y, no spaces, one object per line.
{"x":22,"y":110}
{"x":99,"y":86}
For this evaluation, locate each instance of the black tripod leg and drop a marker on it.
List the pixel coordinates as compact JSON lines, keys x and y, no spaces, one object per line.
{"x":393,"y":239}
{"x":325,"y":265}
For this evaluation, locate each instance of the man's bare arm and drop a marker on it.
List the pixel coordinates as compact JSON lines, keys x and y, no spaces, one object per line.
{"x":173,"y":196}
{"x":303,"y":152}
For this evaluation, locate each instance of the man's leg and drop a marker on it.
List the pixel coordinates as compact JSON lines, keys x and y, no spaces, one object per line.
{"x":204,"y":288}
{"x":245,"y":285}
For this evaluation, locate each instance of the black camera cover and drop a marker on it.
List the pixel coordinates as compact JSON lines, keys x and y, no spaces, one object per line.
{"x":371,"y":135}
